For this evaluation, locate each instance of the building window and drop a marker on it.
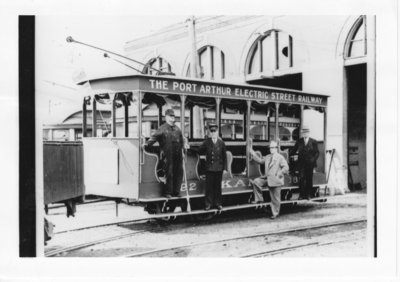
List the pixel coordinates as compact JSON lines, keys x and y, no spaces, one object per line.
{"x":212,"y":63}
{"x":273,"y":50}
{"x":357,"y":41}
{"x":157,"y":63}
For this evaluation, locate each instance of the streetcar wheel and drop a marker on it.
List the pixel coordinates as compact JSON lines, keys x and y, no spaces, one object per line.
{"x":160,"y":209}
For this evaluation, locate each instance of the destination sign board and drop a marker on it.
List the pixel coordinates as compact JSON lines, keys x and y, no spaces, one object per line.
{"x":172,"y":85}
{"x":230,"y":91}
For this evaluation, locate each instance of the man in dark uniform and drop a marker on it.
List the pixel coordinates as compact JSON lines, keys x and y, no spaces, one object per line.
{"x":307,"y":149}
{"x":171,"y":141}
{"x":215,"y":151}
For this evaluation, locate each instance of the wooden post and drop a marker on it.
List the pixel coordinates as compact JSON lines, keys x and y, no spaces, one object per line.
{"x":84,"y":118}
{"x":113,"y":115}
{"x":160,"y":114}
{"x":183,"y":99}
{"x":325,"y":133}
{"x":247,"y":134}
{"x":94,"y":118}
{"x":260,"y":52}
{"x":277,"y":121}
{"x":126,"y":116}
{"x":139,"y":130}
{"x":218,"y":114}
{"x":301,"y":119}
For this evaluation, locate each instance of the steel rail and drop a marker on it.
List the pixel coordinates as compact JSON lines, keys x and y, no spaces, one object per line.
{"x":174,"y":215}
{"x":88,"y":244}
{"x":288,"y":230}
{"x":296,"y":247}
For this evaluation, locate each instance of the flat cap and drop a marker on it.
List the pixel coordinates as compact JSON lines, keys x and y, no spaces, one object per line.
{"x":212,"y":125}
{"x":170,"y":112}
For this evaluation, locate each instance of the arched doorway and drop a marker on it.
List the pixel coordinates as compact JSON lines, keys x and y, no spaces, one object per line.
{"x":355,"y":103}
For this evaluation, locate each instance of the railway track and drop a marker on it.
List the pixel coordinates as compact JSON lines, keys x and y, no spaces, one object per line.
{"x":292,"y":248}
{"x":76,"y":247}
{"x":70,"y":249}
{"x":248,"y":236}
{"x":140,"y":229}
{"x":73,"y":248}
{"x":174,"y":215}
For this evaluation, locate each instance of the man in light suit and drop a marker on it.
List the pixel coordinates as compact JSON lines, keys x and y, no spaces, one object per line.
{"x":307,"y":149}
{"x":275,"y":167}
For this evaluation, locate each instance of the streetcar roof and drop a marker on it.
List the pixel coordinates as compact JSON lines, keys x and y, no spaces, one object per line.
{"x":201,"y":87}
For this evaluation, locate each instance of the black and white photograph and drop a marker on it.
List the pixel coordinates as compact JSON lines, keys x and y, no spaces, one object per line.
{"x":213,"y":144}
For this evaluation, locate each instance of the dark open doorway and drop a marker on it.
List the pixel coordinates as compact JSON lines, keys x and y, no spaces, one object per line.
{"x":357,"y":125}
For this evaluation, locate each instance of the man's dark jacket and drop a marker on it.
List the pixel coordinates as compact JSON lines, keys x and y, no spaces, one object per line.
{"x":170,"y":139}
{"x":215,"y":154}
{"x":308,"y":154}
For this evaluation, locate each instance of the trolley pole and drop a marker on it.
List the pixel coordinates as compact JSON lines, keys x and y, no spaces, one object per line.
{"x":194,"y":65}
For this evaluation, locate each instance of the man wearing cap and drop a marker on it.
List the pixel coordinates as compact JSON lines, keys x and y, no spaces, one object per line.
{"x":307,"y":149}
{"x":275,"y":167}
{"x":215,"y":151}
{"x":171,"y":141}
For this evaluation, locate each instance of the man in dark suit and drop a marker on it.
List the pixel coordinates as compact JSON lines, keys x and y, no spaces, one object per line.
{"x":171,"y":141}
{"x":215,"y":151}
{"x":307,"y":149}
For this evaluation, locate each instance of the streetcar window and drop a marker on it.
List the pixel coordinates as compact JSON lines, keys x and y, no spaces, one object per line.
{"x":202,"y":116}
{"x":289,"y":122}
{"x":149,"y":119}
{"x":47,"y":135}
{"x":103,"y":113}
{"x":259,"y":129}
{"x":233,"y":120}
{"x":132,"y":104}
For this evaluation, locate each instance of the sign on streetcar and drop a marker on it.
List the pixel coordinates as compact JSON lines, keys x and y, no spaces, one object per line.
{"x":174,"y":85}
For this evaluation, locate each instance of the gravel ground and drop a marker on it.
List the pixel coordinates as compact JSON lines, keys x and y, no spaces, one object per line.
{"x":351,"y":206}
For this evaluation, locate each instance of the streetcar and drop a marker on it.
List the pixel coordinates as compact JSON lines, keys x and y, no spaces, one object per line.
{"x":117,"y":165}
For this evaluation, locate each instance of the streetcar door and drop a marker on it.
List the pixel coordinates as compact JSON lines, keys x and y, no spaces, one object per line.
{"x":111,"y":166}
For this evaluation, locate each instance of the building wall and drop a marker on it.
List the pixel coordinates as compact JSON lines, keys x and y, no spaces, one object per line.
{"x":318,"y":44}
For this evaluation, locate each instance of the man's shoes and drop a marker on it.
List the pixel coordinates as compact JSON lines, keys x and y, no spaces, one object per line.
{"x":273,"y":216}
{"x":177,"y":195}
{"x":219,"y":207}
{"x":207,"y":208}
{"x":308,"y":198}
{"x":168,"y":196}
